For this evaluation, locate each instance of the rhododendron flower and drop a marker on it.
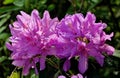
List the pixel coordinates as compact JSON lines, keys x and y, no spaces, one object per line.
{"x":61,"y":76}
{"x":73,"y":76}
{"x":86,"y":37}
{"x":32,"y":40}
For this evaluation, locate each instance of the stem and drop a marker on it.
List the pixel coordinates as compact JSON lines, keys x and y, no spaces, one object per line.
{"x":82,"y":1}
{"x":27,"y":5}
{"x":73,"y":4}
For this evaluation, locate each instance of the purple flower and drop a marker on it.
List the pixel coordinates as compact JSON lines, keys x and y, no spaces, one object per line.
{"x":73,"y":76}
{"x":77,"y":76}
{"x":32,"y":40}
{"x":85,"y":37}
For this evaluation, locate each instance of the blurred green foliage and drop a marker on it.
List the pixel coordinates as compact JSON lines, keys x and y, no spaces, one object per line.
{"x":107,"y":11}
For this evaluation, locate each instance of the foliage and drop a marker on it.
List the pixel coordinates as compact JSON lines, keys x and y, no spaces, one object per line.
{"x":106,"y":10}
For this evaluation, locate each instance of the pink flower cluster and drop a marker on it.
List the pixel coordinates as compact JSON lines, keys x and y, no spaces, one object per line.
{"x":34,"y":38}
{"x":85,"y":37}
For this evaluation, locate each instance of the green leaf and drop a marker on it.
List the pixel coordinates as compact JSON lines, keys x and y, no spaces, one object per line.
{"x":5,"y":2}
{"x":117,"y":53}
{"x":93,"y":3}
{"x":42,"y":1}
{"x":51,"y":7}
{"x":1,"y":48}
{"x":18,"y":3}
{"x":4,"y":15}
{"x":27,"y":5}
{"x":57,"y":74}
{"x":2,"y":58}
{"x":15,"y":75}
{"x":2,"y":28}
{"x":117,"y":2}
{"x":9,"y":9}
{"x":118,"y":13}
{"x":31,"y":74}
{"x":2,"y":21}
{"x":4,"y":36}
{"x":34,"y":76}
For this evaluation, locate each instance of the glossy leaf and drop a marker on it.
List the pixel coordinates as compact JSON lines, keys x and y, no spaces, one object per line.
{"x":5,"y":2}
{"x":18,"y":3}
{"x":117,"y":53}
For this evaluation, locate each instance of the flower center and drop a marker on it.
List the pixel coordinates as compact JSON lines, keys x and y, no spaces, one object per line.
{"x":84,"y":39}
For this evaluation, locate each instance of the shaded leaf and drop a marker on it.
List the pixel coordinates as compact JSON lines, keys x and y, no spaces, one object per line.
{"x":93,"y":3}
{"x":2,"y":58}
{"x":51,"y":7}
{"x":57,"y":74}
{"x":9,"y":9}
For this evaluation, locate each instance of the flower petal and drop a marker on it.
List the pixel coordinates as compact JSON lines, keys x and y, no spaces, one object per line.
{"x":108,"y":49}
{"x":8,"y":45}
{"x":97,"y":55}
{"x":61,"y":76}
{"x":79,"y":76}
{"x":19,"y":63}
{"x":83,"y":64}
{"x":26,"y":68}
{"x":66,"y":65}
{"x":42,"y":62}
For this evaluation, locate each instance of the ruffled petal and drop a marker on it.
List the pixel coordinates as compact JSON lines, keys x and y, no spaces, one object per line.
{"x":9,"y":46}
{"x":108,"y":49}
